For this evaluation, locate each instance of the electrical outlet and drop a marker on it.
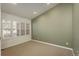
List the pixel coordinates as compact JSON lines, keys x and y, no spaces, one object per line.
{"x":67,"y":43}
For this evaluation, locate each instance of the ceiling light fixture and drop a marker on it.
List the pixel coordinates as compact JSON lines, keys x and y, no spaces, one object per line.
{"x":47,"y":3}
{"x":34,"y":12}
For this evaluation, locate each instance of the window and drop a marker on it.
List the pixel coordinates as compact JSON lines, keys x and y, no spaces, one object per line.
{"x":22,"y":28}
{"x":6,"y":25}
{"x":9,"y":28}
{"x":12,"y":28}
{"x":18,"y":29}
{"x":27,"y":29}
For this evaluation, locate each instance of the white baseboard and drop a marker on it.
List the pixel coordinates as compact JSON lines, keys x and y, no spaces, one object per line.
{"x":56,"y":46}
{"x":53,"y":44}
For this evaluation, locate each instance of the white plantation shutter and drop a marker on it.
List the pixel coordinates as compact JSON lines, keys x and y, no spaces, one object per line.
{"x":6,"y":28}
{"x":15,"y":28}
{"x":27,"y":29}
{"x":22,"y":28}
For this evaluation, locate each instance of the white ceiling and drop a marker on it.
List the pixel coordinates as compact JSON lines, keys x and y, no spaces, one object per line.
{"x":26,"y":10}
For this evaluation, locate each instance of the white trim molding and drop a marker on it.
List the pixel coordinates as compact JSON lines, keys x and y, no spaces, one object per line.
{"x":55,"y":45}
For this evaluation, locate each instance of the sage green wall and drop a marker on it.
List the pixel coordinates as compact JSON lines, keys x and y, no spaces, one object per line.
{"x":76,"y":27}
{"x":54,"y":26}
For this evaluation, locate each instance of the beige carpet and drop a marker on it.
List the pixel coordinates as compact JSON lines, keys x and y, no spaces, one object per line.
{"x":33,"y":48}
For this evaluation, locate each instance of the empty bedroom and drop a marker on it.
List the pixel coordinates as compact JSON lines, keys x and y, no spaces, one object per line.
{"x":39,"y":29}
